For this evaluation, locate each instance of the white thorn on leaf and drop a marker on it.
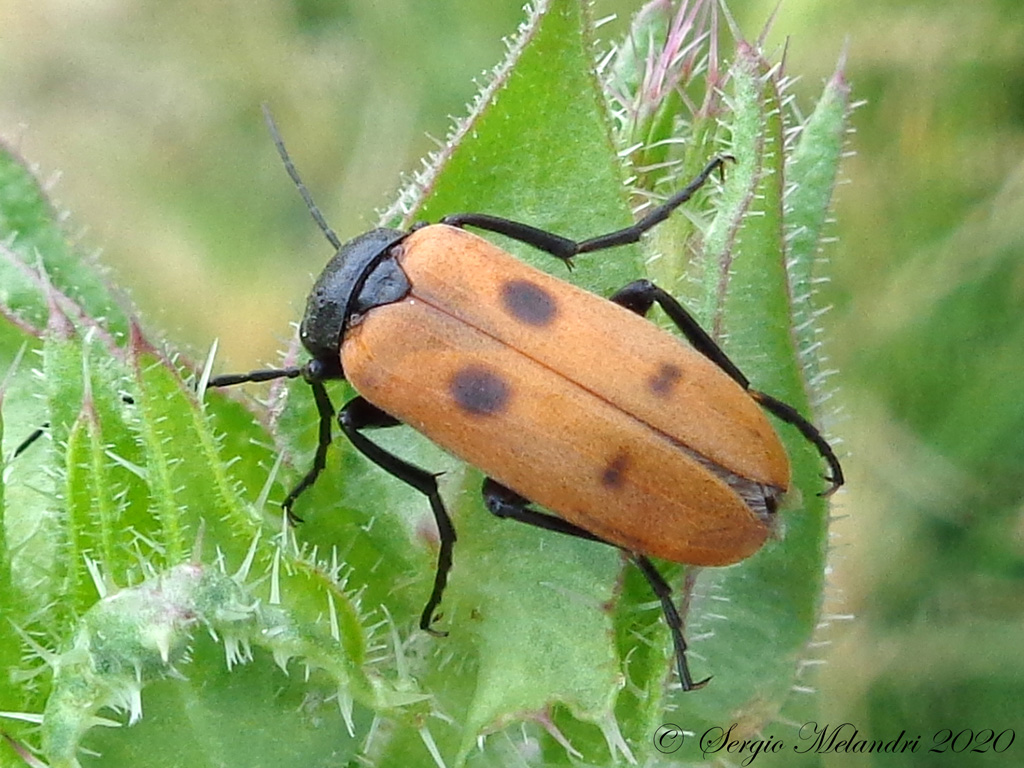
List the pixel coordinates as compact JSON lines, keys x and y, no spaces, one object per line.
{"x":281,"y":658}
{"x":345,"y":705}
{"x":332,"y":612}
{"x":243,"y":570}
{"x":431,"y":745}
{"x":275,"y":579}
{"x":613,"y":736}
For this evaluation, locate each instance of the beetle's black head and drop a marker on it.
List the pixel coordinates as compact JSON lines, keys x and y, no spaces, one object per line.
{"x":362,"y":275}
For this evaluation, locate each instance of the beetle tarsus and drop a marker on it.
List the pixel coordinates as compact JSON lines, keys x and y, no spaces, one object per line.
{"x":633,"y":233}
{"x":834,"y":485}
{"x":430,"y":630}
{"x":324,"y":407}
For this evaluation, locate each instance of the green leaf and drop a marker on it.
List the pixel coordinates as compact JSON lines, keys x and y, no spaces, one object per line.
{"x":811,"y":171}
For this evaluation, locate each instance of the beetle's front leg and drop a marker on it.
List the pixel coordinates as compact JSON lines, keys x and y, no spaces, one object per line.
{"x":359,"y":414}
{"x":325,"y":410}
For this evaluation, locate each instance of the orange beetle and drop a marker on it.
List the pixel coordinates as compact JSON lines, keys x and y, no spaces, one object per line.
{"x":563,"y":399}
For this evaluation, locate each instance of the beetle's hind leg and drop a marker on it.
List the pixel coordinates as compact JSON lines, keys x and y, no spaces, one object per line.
{"x":506,"y":503}
{"x":359,"y":414}
{"x":640,"y":295}
{"x":663,"y":592}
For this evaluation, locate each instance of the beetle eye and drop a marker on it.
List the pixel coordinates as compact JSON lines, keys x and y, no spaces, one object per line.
{"x":315,"y":370}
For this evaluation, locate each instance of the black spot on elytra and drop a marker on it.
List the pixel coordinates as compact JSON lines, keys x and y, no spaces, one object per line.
{"x":479,"y":391}
{"x":528,"y":302}
{"x":664,"y":380}
{"x":614,"y":475}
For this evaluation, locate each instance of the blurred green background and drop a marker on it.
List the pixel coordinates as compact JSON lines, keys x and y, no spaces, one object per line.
{"x":150,"y":111}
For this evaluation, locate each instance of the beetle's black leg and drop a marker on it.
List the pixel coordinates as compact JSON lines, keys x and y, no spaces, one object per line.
{"x":640,"y":295}
{"x":506,"y":503}
{"x":325,"y":410}
{"x":565,"y":248}
{"x":357,"y":415}
{"x":663,"y":591}
{"x":790,"y":415}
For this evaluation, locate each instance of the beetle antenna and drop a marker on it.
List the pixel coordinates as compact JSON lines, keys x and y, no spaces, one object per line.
{"x":293,"y":172}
